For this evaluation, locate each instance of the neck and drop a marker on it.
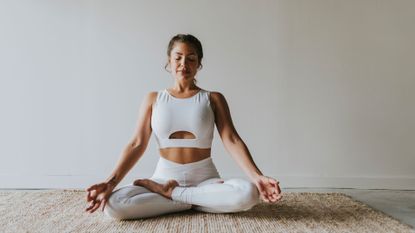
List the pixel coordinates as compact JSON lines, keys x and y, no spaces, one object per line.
{"x":185,"y":86}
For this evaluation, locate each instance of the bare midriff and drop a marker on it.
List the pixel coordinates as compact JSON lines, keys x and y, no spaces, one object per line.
{"x":185,"y":154}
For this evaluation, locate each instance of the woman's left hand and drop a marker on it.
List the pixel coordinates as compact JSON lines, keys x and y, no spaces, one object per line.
{"x":269,"y":188}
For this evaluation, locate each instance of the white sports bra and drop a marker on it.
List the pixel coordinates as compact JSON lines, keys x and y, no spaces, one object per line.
{"x":193,"y":114}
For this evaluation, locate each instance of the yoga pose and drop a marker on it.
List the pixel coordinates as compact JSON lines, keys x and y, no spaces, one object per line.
{"x":182,"y":119}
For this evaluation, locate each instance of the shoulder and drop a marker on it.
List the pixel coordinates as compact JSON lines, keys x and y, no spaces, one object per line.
{"x":216,"y":96}
{"x":217,"y":99}
{"x":152,"y":94}
{"x":150,"y":98}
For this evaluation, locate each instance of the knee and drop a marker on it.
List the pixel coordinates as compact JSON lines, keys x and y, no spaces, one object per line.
{"x":118,"y":207}
{"x":247,"y":195}
{"x":112,"y":208}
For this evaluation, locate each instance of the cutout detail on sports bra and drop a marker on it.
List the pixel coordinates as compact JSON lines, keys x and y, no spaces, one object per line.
{"x":182,"y":135}
{"x":183,"y":122}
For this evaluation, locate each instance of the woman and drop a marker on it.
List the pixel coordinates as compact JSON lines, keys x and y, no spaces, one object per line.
{"x":182,"y":119}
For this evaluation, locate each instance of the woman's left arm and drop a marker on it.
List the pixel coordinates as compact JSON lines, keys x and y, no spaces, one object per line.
{"x":267,"y":186}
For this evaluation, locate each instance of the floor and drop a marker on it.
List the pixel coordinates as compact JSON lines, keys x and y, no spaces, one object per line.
{"x":400,"y":204}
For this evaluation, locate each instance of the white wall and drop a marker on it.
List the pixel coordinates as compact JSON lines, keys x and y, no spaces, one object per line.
{"x":321,"y":91}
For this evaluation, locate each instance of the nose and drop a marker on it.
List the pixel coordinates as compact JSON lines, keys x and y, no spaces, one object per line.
{"x":183,"y":65}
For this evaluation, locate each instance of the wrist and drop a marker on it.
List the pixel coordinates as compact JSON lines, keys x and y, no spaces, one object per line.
{"x":255,"y":176}
{"x":112,"y":181}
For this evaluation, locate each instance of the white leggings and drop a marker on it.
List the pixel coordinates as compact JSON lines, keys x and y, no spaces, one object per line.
{"x":199,"y":188}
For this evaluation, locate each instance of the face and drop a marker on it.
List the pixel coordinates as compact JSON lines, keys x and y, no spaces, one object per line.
{"x":183,"y":61}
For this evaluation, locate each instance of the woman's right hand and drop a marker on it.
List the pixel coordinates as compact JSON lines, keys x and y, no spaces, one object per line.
{"x":98,"y":194}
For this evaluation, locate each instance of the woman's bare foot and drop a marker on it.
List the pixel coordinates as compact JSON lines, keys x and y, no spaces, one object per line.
{"x":162,"y":189}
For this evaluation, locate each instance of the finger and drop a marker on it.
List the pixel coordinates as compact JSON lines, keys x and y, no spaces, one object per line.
{"x":278,"y":197}
{"x":89,"y":197}
{"x":266,"y":196}
{"x":272,"y":184}
{"x":272,"y":181}
{"x":263,"y":196}
{"x":265,"y":199}
{"x":90,"y":206}
{"x":267,"y":189}
{"x":91,"y":187}
{"x":275,"y":189}
{"x":87,"y":208}
{"x":96,"y":206}
{"x":104,"y":202}
{"x":270,"y":190}
{"x":275,"y":200}
{"x":275,"y":197}
{"x":263,"y":191}
{"x":279,"y":189}
{"x":92,"y":202}
{"x":92,"y":192}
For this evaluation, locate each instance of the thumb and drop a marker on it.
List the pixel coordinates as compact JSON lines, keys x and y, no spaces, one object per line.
{"x":105,"y":199}
{"x":262,"y":191}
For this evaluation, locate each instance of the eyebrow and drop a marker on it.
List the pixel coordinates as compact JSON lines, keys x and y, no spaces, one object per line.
{"x":182,"y":53}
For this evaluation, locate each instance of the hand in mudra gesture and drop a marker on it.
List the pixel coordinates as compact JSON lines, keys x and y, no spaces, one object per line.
{"x":98,"y":195}
{"x":269,"y":189}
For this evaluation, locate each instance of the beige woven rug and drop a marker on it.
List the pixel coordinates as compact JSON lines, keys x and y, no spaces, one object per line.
{"x":62,"y":211}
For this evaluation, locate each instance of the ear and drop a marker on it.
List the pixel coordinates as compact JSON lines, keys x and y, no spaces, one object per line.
{"x":167,"y":65}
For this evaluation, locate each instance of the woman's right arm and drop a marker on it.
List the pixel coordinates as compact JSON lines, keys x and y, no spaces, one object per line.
{"x":138,"y":144}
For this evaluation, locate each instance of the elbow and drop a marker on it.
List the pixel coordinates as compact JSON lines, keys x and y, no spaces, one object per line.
{"x":233,"y":139}
{"x":135,"y":149}
{"x":139,"y":141}
{"x":136,"y":145}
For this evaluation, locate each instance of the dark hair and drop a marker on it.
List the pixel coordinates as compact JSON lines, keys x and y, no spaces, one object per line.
{"x":188,"y":39}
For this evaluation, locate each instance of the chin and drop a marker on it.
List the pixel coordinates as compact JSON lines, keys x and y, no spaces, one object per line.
{"x":185,"y":77}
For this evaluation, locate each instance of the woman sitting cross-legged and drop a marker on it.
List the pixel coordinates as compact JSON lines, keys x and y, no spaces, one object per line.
{"x":182,"y":119}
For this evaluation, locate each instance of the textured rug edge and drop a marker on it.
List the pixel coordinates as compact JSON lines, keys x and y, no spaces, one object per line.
{"x":299,"y":193}
{"x":376,"y":209}
{"x":411,"y":228}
